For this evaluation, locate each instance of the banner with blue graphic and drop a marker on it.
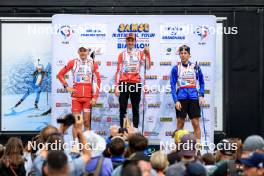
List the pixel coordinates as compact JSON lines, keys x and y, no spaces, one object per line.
{"x":26,"y":76}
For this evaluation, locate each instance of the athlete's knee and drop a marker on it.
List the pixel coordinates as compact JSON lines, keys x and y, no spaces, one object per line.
{"x":86,"y":123}
{"x":195,"y":123}
{"x":180,"y":122}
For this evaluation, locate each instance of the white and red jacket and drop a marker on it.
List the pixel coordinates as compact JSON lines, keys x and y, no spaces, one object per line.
{"x":129,"y":64}
{"x":82,"y":72}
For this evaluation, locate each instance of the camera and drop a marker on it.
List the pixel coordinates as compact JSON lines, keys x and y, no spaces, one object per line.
{"x":68,"y":120}
{"x":122,"y":130}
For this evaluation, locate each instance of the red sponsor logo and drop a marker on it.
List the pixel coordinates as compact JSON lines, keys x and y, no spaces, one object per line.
{"x":166,"y":77}
{"x":109,"y":119}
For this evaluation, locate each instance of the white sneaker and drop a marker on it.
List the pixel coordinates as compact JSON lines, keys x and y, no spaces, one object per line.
{"x":75,"y":149}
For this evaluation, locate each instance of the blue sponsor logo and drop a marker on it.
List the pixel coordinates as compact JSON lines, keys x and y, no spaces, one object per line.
{"x":66,"y":32}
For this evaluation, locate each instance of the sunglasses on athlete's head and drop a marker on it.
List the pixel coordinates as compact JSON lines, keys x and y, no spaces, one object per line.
{"x":184,"y":48}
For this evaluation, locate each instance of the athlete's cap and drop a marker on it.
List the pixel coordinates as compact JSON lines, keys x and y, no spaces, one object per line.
{"x":131,"y":35}
{"x":185,"y":48}
{"x":83,"y":46}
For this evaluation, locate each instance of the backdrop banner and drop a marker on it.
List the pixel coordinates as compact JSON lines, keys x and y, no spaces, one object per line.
{"x":105,"y":34}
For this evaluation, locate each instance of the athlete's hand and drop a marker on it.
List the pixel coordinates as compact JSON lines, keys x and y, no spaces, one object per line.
{"x":201,"y":100}
{"x":178,"y":106}
{"x":70,"y":90}
{"x":117,"y":93}
{"x":114,"y":130}
{"x":146,"y":50}
{"x":93,"y":102}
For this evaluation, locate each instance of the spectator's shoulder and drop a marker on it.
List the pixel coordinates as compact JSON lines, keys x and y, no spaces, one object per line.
{"x":117,"y":171}
{"x":175,"y":168}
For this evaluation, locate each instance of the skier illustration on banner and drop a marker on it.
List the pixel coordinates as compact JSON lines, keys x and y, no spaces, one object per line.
{"x":37,"y":84}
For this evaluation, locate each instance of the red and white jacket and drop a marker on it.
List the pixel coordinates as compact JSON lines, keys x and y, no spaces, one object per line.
{"x":82,"y":72}
{"x":129,"y":64}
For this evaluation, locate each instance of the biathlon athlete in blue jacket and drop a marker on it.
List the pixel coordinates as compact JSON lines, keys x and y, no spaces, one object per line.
{"x":184,"y":82}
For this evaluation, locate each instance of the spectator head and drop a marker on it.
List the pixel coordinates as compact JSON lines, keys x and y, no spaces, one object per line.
{"x":130,"y":168}
{"x":47,"y":132}
{"x":239,"y":144}
{"x":159,"y":161}
{"x":96,"y":142}
{"x":13,"y":152}
{"x":227,"y":149}
{"x":251,"y":144}
{"x":187,"y":147}
{"x":114,"y":130}
{"x":178,"y":135}
{"x":137,"y":142}
{"x":253,"y":165}
{"x":195,"y":169}
{"x":56,"y":164}
{"x":143,"y":161}
{"x":208,"y":159}
{"x":55,"y":142}
{"x":117,"y":146}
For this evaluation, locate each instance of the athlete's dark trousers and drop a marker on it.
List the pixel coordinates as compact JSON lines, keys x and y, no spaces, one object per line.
{"x":132,"y":91}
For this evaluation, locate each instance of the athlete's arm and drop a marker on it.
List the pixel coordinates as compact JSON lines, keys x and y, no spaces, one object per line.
{"x":173,"y":81}
{"x":63,"y":71}
{"x":201,"y":82}
{"x":98,"y":80}
{"x":117,"y":75}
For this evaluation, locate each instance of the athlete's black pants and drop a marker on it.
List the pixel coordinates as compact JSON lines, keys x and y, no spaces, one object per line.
{"x":132,"y":91}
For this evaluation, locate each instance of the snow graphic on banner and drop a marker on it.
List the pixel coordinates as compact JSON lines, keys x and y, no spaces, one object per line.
{"x":26,"y":93}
